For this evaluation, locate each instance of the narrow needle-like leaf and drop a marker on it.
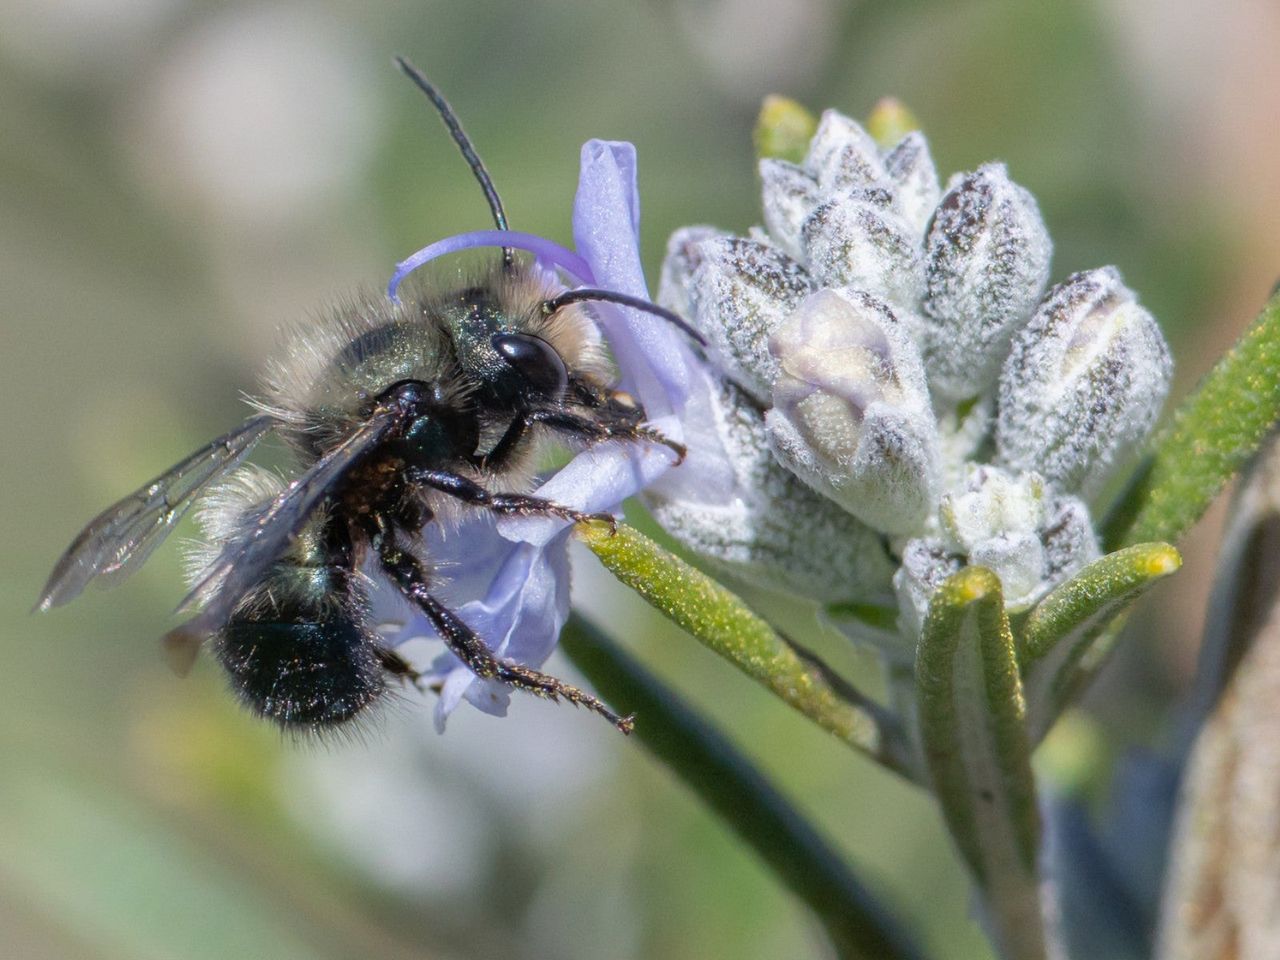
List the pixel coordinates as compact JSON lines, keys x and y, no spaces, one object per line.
{"x":718,"y":619}
{"x":1213,"y":434}
{"x":1057,"y":639}
{"x":1095,"y":594}
{"x":975,"y":742}
{"x":859,"y":926}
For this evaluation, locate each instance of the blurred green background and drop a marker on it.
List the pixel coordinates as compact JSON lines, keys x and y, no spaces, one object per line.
{"x":176,"y":177}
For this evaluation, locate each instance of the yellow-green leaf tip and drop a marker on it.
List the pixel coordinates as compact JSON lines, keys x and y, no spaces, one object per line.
{"x":970,"y":585}
{"x":592,"y":532}
{"x":1162,"y":560}
{"x":890,"y":120}
{"x":783,"y":129}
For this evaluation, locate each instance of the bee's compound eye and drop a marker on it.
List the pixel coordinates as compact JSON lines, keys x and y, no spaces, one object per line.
{"x":535,"y":360}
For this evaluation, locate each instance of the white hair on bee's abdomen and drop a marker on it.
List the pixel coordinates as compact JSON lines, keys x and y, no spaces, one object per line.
{"x":224,"y":512}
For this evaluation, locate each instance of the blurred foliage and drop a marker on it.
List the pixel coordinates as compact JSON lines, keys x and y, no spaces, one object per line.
{"x":140,"y":815}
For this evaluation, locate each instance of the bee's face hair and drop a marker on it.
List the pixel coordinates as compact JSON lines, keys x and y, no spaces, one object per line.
{"x":499,"y":303}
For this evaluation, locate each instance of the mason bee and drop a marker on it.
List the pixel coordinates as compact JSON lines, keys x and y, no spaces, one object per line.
{"x":398,"y":412}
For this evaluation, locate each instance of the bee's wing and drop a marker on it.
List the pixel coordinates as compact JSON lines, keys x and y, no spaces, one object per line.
{"x":118,"y":540}
{"x":246,"y":557}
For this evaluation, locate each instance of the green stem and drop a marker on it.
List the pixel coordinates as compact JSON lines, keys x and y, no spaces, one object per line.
{"x":718,"y":619}
{"x":859,"y":926}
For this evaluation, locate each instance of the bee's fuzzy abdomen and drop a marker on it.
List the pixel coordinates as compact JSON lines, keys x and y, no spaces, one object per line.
{"x":302,"y":674}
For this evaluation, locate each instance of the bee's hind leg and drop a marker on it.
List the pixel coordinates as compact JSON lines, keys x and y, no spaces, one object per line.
{"x":407,"y":572}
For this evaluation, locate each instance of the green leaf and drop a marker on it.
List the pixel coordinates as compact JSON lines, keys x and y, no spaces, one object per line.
{"x":1095,"y":594}
{"x":783,"y":129}
{"x":719,"y":620}
{"x":1213,"y":434}
{"x":859,"y":926}
{"x":1057,"y":648}
{"x":975,"y":742}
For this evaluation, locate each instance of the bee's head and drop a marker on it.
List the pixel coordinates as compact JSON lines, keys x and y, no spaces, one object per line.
{"x":514,"y":352}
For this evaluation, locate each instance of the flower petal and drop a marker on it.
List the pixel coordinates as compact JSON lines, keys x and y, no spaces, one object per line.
{"x":653,"y":356}
{"x":655,"y":360}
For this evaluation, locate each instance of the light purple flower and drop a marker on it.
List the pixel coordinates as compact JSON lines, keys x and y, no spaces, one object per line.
{"x":518,"y":567}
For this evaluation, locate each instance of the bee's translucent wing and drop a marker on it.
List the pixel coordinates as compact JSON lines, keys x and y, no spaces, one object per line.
{"x":246,"y":557}
{"x":118,"y":540}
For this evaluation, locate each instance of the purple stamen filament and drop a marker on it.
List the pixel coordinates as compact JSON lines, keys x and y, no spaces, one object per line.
{"x":541,"y":247}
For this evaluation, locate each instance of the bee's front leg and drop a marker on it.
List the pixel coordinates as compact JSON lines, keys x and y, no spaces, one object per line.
{"x":604,"y":426}
{"x":468,"y":491}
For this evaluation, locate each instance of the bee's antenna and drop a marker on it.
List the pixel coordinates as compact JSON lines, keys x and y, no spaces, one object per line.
{"x":464,"y":144}
{"x":609,"y":296}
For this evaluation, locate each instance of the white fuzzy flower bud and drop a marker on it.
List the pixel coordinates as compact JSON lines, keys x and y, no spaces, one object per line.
{"x":851,"y":414}
{"x":1069,"y":541}
{"x":991,"y":502}
{"x":986,"y":262}
{"x":857,"y":239}
{"x":910,"y":167}
{"x":1083,"y":384}
{"x":684,"y":256}
{"x":788,"y":195}
{"x":926,"y":564}
{"x":744,"y":511}
{"x":738,"y":294}
{"x":1028,"y":535}
{"x":843,"y":156}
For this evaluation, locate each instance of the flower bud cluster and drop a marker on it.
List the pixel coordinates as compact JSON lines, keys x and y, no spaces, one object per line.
{"x":894,"y":346}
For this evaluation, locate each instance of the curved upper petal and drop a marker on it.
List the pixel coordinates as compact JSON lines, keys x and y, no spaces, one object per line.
{"x":654,"y":357}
